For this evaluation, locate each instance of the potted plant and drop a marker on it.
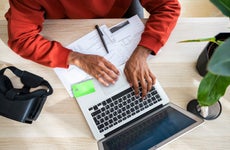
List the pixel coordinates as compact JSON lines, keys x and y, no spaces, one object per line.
{"x":217,"y":76}
{"x":206,"y":54}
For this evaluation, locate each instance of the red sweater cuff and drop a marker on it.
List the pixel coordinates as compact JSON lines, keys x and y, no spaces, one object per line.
{"x":61,"y":59}
{"x":151,"y":43}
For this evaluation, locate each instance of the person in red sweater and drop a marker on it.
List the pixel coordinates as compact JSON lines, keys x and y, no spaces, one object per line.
{"x":25,"y":19}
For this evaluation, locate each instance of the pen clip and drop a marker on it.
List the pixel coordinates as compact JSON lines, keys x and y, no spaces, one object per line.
{"x":99,"y":30}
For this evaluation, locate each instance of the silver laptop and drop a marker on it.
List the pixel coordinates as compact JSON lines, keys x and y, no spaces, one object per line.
{"x":120,"y":120}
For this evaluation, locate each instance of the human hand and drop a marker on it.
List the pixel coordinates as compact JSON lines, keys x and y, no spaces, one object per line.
{"x":96,"y":66}
{"x":137,"y":71}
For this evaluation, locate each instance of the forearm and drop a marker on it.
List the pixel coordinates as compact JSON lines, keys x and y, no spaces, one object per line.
{"x":141,"y":53}
{"x":162,"y":20}
{"x":40,"y":50}
{"x":24,"y":26}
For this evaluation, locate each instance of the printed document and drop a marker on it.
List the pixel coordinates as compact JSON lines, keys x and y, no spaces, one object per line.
{"x":120,"y":39}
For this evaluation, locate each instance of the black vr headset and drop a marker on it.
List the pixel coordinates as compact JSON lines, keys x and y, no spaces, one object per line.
{"x":22,"y":104}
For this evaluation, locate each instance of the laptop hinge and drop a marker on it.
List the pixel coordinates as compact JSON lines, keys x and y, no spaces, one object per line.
{"x":134,"y":120}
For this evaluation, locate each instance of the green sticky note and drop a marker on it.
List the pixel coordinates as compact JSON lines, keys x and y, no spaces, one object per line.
{"x":83,"y":88}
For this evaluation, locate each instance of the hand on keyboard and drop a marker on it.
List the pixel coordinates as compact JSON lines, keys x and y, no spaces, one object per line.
{"x":137,"y":71}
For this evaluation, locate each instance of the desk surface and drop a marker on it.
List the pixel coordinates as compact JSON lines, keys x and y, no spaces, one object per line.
{"x":61,"y":124}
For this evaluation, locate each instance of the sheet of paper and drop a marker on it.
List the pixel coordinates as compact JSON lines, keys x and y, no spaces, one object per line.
{"x":120,"y":39}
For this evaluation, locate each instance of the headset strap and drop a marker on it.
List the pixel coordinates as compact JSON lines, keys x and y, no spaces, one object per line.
{"x":29,"y":80}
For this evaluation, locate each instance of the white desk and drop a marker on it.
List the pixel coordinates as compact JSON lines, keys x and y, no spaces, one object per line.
{"x":61,"y":124}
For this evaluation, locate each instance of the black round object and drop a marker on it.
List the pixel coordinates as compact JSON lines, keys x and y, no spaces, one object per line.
{"x":214,"y":110}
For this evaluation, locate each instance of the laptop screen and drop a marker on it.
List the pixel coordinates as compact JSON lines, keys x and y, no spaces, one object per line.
{"x":151,"y":131}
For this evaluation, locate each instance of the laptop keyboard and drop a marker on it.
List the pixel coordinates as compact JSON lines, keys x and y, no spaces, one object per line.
{"x":121,"y":107}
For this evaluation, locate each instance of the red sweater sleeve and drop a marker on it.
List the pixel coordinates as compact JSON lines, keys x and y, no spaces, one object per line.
{"x":25,"y":19}
{"x":24,"y":25}
{"x":162,"y":20}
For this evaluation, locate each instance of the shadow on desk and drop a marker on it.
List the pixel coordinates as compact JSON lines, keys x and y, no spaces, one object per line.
{"x":60,"y":125}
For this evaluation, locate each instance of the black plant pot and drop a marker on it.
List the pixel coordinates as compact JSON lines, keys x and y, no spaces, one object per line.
{"x":213,"y":112}
{"x":206,"y":54}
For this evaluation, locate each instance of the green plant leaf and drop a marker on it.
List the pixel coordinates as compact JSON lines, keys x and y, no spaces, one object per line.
{"x":220,"y":61}
{"x":212,"y":87}
{"x":223,"y":6}
{"x":211,"y":39}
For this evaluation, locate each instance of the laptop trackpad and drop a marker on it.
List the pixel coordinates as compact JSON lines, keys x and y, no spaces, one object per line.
{"x":119,"y":86}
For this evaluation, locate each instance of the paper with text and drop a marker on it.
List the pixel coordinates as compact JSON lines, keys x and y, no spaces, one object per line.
{"x":120,"y":39}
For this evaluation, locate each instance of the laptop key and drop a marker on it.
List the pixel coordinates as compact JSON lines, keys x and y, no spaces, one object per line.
{"x":91,"y":108}
{"x":103,"y":114}
{"x":95,"y":107}
{"x":101,"y":126}
{"x":96,"y":121}
{"x":104,"y":103}
{"x":96,"y":112}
